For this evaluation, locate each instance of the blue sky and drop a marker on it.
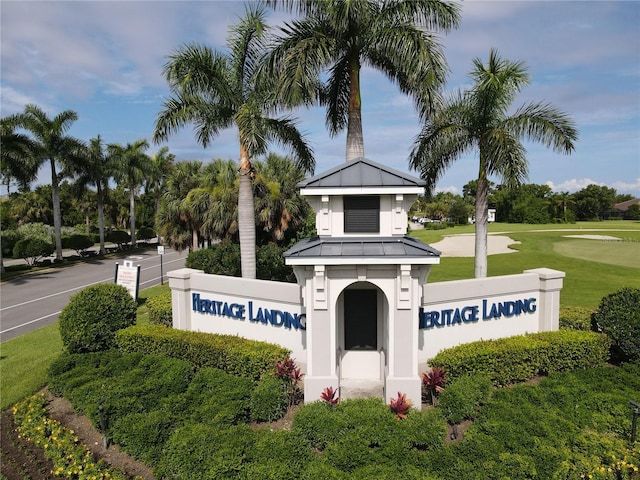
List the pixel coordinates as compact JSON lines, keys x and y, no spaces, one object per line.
{"x":103,"y":59}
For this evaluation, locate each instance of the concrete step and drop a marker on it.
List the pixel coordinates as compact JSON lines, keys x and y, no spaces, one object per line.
{"x":358,"y":388}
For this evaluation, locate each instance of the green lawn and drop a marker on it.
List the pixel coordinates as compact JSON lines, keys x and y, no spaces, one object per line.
{"x":24,"y":361}
{"x":593,"y":268}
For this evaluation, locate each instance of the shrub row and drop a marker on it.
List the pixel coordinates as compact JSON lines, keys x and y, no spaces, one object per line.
{"x":234,"y":355}
{"x":462,"y":398}
{"x":160,"y":309}
{"x":519,"y":358}
{"x":575,"y":318}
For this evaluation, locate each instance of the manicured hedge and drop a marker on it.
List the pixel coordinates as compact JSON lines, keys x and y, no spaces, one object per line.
{"x":463,"y":397}
{"x":160,"y":312}
{"x":519,"y":358}
{"x":576,"y":318}
{"x":235,"y":355}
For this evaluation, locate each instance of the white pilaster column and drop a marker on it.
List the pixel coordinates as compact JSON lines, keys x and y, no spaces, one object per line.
{"x":549,"y":304}
{"x":180,"y":284}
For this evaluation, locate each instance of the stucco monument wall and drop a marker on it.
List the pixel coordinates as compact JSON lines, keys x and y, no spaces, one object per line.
{"x":463,"y":311}
{"x":255,"y":309}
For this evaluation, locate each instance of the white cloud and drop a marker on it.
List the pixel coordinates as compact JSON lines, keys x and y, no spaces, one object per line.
{"x":14,"y":101}
{"x":576,"y":184}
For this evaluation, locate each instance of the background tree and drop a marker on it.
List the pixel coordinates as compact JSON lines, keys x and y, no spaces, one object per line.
{"x":280,"y":209}
{"x":594,"y":202}
{"x":339,"y":37}
{"x":478,"y":119}
{"x":51,"y":143}
{"x":16,"y":155}
{"x":172,"y":220}
{"x":35,"y":206}
{"x":161,"y":166}
{"x":130,"y":167}
{"x":216,"y":90}
{"x":96,"y":170}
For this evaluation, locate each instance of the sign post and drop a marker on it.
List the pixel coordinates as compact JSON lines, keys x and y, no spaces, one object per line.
{"x":161,"y":253}
{"x":129,"y":277}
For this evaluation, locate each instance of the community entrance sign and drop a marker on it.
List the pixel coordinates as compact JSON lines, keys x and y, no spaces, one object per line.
{"x":362,"y":308}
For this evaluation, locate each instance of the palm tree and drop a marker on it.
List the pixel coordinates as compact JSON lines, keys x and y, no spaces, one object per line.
{"x":51,"y":143}
{"x":279,"y":204}
{"x":161,"y":166}
{"x":213,"y":91}
{"x":96,"y":170}
{"x":478,"y":119}
{"x":16,"y":154}
{"x":131,"y":165}
{"x":173,"y":219}
{"x":344,"y":35}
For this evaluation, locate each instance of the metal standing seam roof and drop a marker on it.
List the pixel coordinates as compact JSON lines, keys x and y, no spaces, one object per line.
{"x":350,"y":247}
{"x":361,"y":172}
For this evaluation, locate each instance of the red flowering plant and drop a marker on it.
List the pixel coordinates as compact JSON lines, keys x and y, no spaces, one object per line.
{"x":433,"y":382}
{"x":329,"y":396}
{"x":400,"y":406}
{"x":291,"y":376}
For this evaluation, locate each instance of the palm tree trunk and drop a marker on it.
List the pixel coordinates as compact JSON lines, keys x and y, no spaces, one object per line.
{"x":355,"y":137}
{"x":57,"y":217}
{"x":101,"y":218}
{"x":482,"y":223}
{"x":132,"y":214}
{"x":246,"y":217}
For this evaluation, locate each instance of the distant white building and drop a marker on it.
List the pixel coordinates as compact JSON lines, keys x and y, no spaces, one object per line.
{"x":491,"y":216}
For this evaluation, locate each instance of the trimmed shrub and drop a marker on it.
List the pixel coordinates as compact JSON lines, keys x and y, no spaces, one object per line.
{"x":31,"y":250}
{"x":462,"y":398}
{"x":224,"y":259}
{"x":235,"y":355}
{"x":216,"y":398}
{"x":519,"y":358}
{"x":618,"y":316}
{"x":576,"y":318}
{"x":145,"y":233}
{"x":119,"y":237}
{"x":77,"y":242}
{"x":220,"y":259}
{"x":92,"y":317}
{"x":269,"y":400}
{"x":198,"y":451}
{"x":160,"y":309}
{"x":8,"y":239}
{"x":270,"y":264}
{"x":278,"y":455}
{"x":143,"y":435}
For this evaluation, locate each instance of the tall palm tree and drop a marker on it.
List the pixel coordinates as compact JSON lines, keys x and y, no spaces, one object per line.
{"x":161,"y":166}
{"x":217,"y":90}
{"x":131,"y":165}
{"x":478,"y":120}
{"x":51,"y":143}
{"x":96,"y":170}
{"x":343,"y":35}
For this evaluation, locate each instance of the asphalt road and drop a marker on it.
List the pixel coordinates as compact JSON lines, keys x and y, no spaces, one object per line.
{"x":32,"y":301}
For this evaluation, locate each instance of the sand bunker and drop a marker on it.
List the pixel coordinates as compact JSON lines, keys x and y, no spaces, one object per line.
{"x":464,"y":245}
{"x":593,"y":237}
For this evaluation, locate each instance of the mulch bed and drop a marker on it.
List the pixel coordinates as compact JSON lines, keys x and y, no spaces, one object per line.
{"x":22,"y":459}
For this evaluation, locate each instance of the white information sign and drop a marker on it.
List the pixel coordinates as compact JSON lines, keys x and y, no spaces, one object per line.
{"x":128,"y":276}
{"x":160,"y":249}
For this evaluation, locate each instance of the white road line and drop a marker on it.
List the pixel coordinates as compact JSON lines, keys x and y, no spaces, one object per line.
{"x":28,"y":323}
{"x":75,"y":288}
